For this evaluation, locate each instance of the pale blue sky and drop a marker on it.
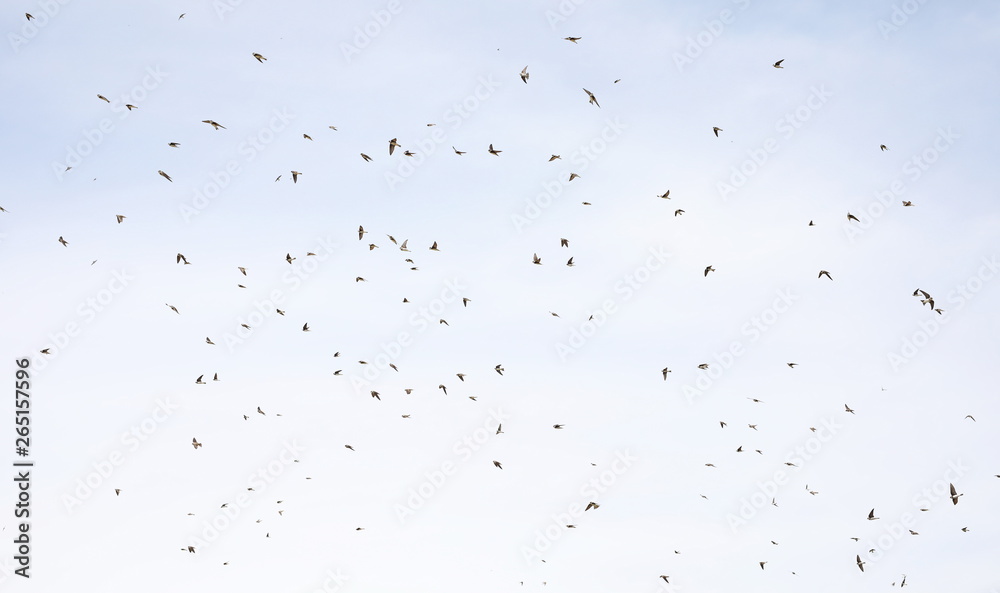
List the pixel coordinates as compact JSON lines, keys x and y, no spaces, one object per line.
{"x":797,"y":144}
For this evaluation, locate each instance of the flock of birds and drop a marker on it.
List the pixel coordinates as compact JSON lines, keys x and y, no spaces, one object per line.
{"x":393,"y":145}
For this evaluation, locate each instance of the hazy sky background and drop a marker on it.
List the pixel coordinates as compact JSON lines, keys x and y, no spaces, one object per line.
{"x":115,"y":402}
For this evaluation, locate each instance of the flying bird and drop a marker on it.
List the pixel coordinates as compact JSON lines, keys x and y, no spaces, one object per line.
{"x":103,"y":98}
{"x":852,"y":217}
{"x":593,"y":99}
{"x":366,"y":157}
{"x":778,"y":63}
{"x":493,"y":151}
{"x":120,"y":218}
{"x":260,"y":58}
{"x":525,"y":75}
{"x":861,"y":564}
{"x":165,"y":176}
{"x":195,"y":444}
{"x":305,"y":327}
{"x":709,"y":269}
{"x":497,"y":464}
{"x":716,"y":131}
{"x":64,"y":242}
{"x":295,"y":176}
{"x":392,"y":145}
{"x":847,"y":409}
{"x":573,"y":39}
{"x":457,"y":151}
{"x":954,"y":494}
{"x":824,"y":273}
{"x":216,"y":125}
